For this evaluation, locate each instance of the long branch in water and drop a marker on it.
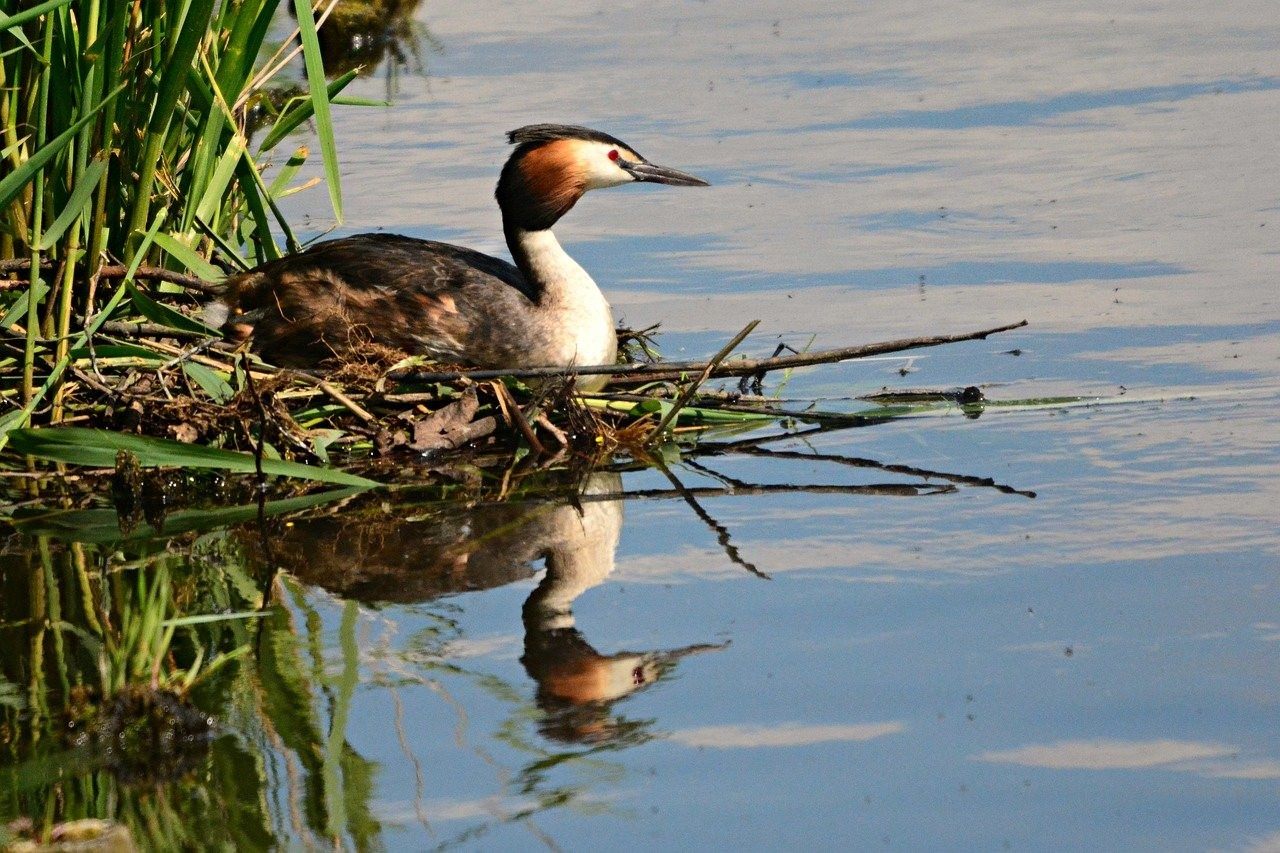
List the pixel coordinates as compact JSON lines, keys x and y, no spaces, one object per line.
{"x":675,"y":370}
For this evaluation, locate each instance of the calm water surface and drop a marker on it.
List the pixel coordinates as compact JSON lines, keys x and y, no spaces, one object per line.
{"x":1094,"y":667}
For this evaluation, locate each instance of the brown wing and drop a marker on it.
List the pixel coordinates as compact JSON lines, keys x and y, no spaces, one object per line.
{"x":436,"y":299}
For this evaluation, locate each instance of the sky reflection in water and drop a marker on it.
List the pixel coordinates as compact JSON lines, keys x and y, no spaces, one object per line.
{"x":1091,"y":667}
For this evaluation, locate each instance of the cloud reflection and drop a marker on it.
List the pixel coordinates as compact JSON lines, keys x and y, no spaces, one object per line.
{"x":1203,"y":758}
{"x":1264,"y":844}
{"x":782,"y":735}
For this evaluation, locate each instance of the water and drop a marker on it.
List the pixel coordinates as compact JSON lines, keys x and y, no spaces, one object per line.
{"x":1090,"y":668}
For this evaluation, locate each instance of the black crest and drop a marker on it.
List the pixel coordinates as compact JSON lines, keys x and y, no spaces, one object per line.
{"x":537,"y":134}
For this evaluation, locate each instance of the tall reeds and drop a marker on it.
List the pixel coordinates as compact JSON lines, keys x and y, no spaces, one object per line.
{"x":124,"y":139}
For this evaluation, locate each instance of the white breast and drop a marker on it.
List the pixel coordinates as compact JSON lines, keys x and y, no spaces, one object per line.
{"x":576,"y":318}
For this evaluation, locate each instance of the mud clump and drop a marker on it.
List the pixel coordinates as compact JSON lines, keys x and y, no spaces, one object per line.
{"x":140,"y":734}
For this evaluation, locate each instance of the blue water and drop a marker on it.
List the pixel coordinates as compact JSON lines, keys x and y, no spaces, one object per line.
{"x":1091,"y":668}
{"x":974,"y":668}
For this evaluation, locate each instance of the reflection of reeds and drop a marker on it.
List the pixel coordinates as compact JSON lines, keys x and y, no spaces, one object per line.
{"x":111,"y":651}
{"x":110,"y":640}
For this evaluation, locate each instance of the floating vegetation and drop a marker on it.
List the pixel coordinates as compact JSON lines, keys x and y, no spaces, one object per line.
{"x":86,"y":834}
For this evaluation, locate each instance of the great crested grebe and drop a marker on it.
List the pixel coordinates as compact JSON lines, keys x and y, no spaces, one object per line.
{"x":447,"y":302}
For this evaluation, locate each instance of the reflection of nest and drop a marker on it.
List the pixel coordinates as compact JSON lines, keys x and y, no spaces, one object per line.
{"x":376,"y":551}
{"x":388,"y":558}
{"x":140,"y":734}
{"x":401,"y":548}
{"x":362,"y":33}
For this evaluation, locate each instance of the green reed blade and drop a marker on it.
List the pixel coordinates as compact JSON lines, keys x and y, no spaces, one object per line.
{"x":98,"y":448}
{"x":76,"y":204}
{"x":177,"y":67}
{"x":320,"y":101}
{"x":215,"y":190}
{"x":8,"y":21}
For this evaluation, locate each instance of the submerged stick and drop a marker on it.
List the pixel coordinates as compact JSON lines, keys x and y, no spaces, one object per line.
{"x":675,"y":370}
{"x":900,"y":490}
{"x":859,"y":462}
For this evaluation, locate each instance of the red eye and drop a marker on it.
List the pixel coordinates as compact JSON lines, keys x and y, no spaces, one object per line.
{"x":613,"y":155}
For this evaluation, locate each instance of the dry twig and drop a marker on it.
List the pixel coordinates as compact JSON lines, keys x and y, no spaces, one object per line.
{"x":677,"y":370}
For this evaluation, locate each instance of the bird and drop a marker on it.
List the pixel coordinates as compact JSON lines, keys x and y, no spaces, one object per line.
{"x":449,"y":303}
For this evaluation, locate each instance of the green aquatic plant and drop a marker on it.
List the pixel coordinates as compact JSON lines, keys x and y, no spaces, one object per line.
{"x":125,"y":143}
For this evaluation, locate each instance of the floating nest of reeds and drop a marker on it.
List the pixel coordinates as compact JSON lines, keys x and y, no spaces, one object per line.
{"x":171,"y":380}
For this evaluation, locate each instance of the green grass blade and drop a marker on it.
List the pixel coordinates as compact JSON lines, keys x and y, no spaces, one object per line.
{"x":109,"y":351}
{"x":320,"y":101}
{"x":188,"y":257}
{"x":296,"y":115}
{"x":14,"y":182}
{"x":354,"y":101}
{"x":208,"y":379}
{"x":98,"y":448}
{"x":17,"y":19}
{"x":166,"y":316}
{"x":280,"y":183}
{"x":260,"y":202}
{"x":75,"y":206}
{"x":102,"y":525}
{"x":19,"y":308}
{"x":228,"y":251}
{"x":205,"y":618}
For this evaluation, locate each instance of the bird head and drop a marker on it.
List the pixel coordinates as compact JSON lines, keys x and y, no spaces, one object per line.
{"x":554,"y":164}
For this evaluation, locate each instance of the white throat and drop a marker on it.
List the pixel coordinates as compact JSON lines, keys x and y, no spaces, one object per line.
{"x":578,"y":321}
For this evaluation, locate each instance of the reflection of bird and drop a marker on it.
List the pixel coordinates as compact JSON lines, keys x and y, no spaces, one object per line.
{"x":576,"y":684}
{"x":470,"y":547}
{"x":447,"y":302}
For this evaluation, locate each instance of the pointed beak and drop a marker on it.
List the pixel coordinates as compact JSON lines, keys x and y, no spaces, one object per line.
{"x":663,"y":175}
